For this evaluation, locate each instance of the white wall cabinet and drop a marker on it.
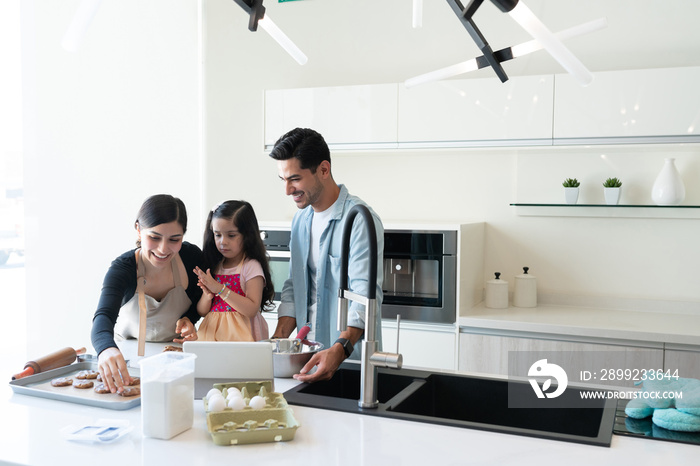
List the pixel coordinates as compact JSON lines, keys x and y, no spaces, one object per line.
{"x":454,"y":111}
{"x":630,"y":106}
{"x":346,"y":116}
{"x":424,"y":346}
{"x":489,"y":354}
{"x":633,"y":103}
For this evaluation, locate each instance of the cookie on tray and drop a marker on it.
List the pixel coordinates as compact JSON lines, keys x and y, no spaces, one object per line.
{"x":131,"y":391}
{"x":102,"y":388}
{"x":62,"y":382}
{"x":88,"y":374}
{"x":83,"y":383}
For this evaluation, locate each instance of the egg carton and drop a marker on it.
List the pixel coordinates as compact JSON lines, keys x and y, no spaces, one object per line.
{"x":273,"y":423}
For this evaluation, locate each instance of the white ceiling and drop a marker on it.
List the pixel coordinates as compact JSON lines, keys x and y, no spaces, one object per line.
{"x":357,"y":41}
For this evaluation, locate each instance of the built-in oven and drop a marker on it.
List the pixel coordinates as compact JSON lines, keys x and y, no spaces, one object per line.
{"x":420,"y":275}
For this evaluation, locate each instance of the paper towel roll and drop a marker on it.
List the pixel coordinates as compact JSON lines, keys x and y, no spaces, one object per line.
{"x":497,"y":293}
{"x":525,"y":290}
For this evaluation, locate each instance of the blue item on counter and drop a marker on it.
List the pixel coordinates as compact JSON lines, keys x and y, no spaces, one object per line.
{"x":679,"y":414}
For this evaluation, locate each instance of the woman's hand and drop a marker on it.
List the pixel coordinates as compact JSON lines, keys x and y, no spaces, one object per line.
{"x":186,"y":329}
{"x":112,"y":367}
{"x":206,"y":282}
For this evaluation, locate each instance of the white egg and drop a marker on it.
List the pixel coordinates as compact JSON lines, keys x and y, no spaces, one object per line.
{"x":213,"y":391}
{"x":236,"y":403}
{"x":257,"y":402}
{"x":216,"y":404}
{"x":233,"y":393}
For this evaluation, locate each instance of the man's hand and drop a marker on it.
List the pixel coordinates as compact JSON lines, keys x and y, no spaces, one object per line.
{"x":326,"y":363}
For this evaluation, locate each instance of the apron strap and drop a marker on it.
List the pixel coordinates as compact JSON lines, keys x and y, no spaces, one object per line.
{"x":176,"y":270}
{"x":140,"y":282}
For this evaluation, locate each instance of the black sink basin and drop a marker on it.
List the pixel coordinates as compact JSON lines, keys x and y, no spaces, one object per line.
{"x":464,"y":401}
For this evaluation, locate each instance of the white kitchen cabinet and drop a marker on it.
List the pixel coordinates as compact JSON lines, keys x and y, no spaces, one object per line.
{"x":473,"y":110}
{"x":429,"y":346}
{"x":347,"y":116}
{"x":686,"y":359}
{"x":660,"y":102}
{"x":489,"y":354}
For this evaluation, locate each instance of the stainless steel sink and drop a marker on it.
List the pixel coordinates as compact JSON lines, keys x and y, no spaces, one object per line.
{"x":465,"y":401}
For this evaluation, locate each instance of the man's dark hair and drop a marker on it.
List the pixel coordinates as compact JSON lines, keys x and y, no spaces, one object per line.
{"x":303,"y":144}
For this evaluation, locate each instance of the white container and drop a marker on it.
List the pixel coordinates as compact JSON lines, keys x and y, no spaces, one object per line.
{"x":668,"y":188}
{"x":497,"y":293}
{"x":525,"y":292}
{"x":167,"y":394}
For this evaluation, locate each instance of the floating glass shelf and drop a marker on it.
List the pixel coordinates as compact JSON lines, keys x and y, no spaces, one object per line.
{"x":605,"y":210}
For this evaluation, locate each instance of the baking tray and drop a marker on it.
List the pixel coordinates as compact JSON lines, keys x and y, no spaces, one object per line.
{"x":40,"y":385}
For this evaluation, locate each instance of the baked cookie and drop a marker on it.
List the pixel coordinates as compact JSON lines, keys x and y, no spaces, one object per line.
{"x":62,"y":382}
{"x":130,"y":391}
{"x":172,"y":348}
{"x":101,"y":388}
{"x":83,"y":383}
{"x":135,"y":381}
{"x":87,"y":375}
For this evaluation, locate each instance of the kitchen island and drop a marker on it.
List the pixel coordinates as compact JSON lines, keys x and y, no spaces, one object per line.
{"x":31,"y":436}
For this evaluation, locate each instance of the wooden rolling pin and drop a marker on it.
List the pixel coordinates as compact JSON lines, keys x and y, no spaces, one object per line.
{"x":60,"y":358}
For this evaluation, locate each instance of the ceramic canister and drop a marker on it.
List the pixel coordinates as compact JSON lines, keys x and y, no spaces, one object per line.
{"x":525,"y":291}
{"x":497,"y":293}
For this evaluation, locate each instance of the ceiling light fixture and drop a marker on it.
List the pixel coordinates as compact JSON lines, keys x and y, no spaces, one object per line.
{"x":79,"y":24}
{"x":503,"y":54}
{"x":528,"y":21}
{"x":417,"y":14}
{"x":256,"y":10}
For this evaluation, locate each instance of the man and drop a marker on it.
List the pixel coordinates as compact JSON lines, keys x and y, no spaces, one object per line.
{"x":310,"y":294}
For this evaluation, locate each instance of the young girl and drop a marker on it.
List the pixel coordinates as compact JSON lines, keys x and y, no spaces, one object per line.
{"x":240,"y":287}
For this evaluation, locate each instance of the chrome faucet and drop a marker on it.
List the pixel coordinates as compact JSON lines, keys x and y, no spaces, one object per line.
{"x":371,"y":358}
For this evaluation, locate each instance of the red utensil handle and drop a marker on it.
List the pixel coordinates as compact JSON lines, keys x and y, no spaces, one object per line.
{"x":303,"y":332}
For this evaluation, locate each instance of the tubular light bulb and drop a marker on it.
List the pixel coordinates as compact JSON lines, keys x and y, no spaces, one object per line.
{"x":528,"y":21}
{"x":285,"y":42}
{"x":517,"y":51}
{"x":417,"y":14}
{"x":79,"y":24}
{"x":443,"y":73}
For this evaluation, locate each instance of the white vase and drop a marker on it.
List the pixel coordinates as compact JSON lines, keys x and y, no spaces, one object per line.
{"x":571,"y":195}
{"x":668,"y":188}
{"x":612,"y":195}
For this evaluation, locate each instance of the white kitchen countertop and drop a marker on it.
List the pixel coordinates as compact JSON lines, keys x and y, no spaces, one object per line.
{"x":30,"y":435}
{"x":678,"y":328}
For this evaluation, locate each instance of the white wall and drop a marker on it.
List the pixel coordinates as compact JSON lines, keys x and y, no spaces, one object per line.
{"x":627,"y":258}
{"x":105,"y":128}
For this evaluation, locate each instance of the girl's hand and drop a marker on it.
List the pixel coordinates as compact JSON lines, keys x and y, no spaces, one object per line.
{"x":206,"y":281}
{"x":206,"y":294}
{"x":112,"y":367}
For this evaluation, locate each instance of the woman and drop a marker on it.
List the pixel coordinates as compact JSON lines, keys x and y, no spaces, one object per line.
{"x":167,"y":264}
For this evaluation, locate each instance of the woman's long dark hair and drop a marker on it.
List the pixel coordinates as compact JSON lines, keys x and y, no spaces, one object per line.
{"x":244,"y":219}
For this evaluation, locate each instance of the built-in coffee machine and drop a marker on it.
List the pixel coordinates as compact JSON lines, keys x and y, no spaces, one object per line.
{"x":420,"y":275}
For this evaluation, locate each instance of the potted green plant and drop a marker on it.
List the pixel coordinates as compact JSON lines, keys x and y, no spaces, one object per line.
{"x":611,"y":190}
{"x":571,"y":190}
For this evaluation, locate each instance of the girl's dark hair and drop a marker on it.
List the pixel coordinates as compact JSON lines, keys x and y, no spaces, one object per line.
{"x":244,"y":219}
{"x":159,"y":209}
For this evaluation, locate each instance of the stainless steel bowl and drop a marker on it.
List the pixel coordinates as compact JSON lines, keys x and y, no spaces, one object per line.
{"x":289,"y":355}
